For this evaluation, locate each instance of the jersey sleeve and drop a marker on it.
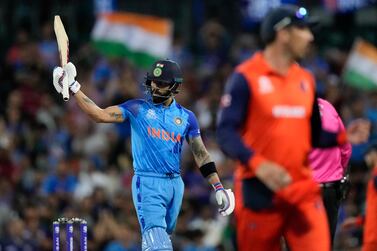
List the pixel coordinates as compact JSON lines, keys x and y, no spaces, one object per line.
{"x":233,"y":111}
{"x":193,"y":129}
{"x":128,"y":108}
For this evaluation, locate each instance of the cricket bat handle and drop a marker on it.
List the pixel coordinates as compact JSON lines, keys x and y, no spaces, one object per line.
{"x":65,"y":91}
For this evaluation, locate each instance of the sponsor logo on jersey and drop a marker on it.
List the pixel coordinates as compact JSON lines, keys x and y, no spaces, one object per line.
{"x":288,"y":111}
{"x":151,"y":114}
{"x":164,"y":135}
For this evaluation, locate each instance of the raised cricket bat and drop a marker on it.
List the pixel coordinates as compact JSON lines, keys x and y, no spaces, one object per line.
{"x":62,"y":40}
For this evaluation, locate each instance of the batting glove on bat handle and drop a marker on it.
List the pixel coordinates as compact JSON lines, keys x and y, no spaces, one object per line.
{"x":59,"y":77}
{"x":71,"y":72}
{"x":225,"y":200}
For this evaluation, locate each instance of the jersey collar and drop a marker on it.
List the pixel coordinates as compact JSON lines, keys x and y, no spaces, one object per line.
{"x":173,"y":104}
{"x":267,"y":69}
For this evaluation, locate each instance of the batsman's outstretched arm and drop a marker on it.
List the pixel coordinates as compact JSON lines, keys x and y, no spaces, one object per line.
{"x":110,"y":114}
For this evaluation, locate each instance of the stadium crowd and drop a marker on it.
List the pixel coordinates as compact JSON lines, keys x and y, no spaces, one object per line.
{"x":55,"y":161}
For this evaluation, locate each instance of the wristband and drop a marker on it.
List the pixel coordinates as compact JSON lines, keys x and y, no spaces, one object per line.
{"x":74,"y":87}
{"x":218,"y":186}
{"x":208,"y":169}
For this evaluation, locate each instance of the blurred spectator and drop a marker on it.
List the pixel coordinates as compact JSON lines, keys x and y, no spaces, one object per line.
{"x":60,"y":183}
{"x":47,"y":47}
{"x":55,"y":162}
{"x":16,"y":237}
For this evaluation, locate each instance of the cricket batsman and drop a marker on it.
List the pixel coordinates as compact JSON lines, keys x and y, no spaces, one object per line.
{"x":159,"y":126}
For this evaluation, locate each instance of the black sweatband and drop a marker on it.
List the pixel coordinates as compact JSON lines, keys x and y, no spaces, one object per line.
{"x":208,"y":169}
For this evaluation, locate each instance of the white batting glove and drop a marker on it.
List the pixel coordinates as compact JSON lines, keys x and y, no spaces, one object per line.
{"x":225,"y":200}
{"x":59,"y":76}
{"x":70,"y":69}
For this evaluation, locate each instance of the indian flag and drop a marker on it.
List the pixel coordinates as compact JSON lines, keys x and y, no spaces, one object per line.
{"x":361,"y":67}
{"x":141,"y":38}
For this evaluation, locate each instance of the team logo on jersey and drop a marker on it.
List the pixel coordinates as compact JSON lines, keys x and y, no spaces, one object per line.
{"x":265,"y":85}
{"x":178,"y":121}
{"x":151,"y":114}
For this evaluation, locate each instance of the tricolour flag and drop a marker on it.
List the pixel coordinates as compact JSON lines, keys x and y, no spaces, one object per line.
{"x":141,"y":38}
{"x":361,"y":67}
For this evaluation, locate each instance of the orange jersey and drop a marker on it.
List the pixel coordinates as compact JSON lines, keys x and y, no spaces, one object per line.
{"x":277,"y":127}
{"x":268,"y":116}
{"x":278,"y":124}
{"x":370,"y":234}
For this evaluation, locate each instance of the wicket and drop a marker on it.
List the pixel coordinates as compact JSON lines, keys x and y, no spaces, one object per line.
{"x":69,"y":233}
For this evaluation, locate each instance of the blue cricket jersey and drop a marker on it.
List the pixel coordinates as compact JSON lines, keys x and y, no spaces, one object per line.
{"x":157,"y":134}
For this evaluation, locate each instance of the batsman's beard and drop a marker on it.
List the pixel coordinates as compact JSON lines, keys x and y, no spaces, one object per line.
{"x":158,"y":97}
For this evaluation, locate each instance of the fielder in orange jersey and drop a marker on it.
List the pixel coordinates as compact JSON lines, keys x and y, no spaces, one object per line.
{"x":369,"y":219}
{"x":269,"y":120}
{"x":370,"y":229}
